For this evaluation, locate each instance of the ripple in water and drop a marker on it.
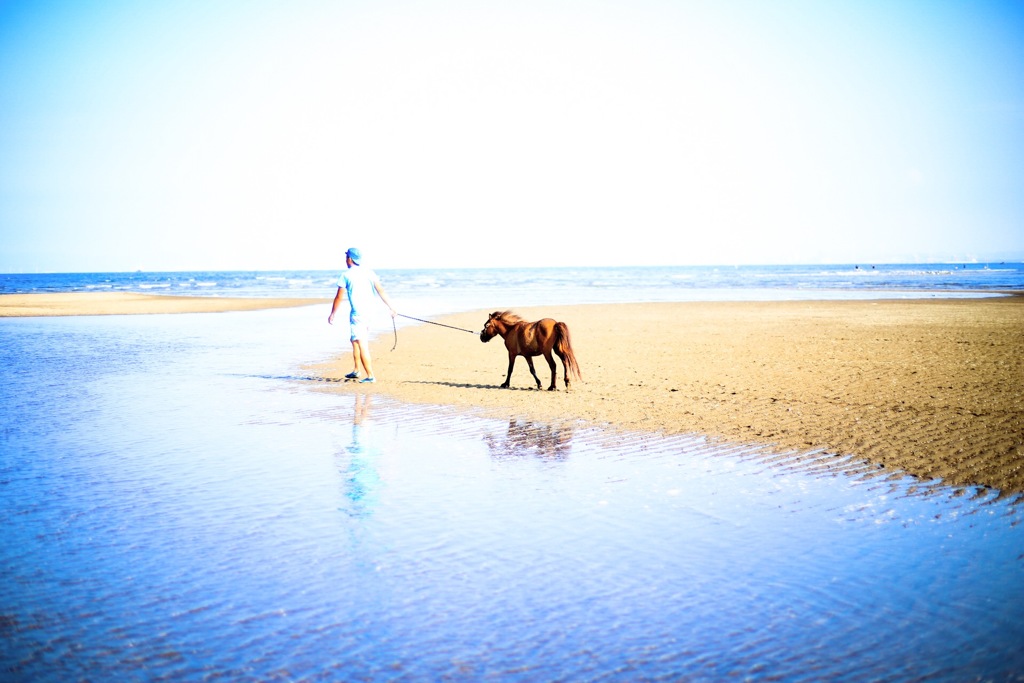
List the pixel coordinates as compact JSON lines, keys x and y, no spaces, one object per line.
{"x":174,"y":507}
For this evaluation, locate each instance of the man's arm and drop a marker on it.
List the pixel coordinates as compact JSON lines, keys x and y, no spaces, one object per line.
{"x":384,"y":296}
{"x":334,"y":307}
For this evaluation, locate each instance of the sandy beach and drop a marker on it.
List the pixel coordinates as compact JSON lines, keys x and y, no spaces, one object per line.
{"x":927,"y":387}
{"x":125,"y":303}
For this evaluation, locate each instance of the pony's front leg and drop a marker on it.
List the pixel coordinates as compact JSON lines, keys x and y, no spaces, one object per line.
{"x":529,"y":361}
{"x":511,"y":364}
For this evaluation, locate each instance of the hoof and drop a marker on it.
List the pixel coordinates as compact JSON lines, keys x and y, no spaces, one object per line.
{"x":504,"y":386}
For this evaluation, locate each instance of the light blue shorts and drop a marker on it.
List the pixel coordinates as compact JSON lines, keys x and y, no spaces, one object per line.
{"x":358,"y":330}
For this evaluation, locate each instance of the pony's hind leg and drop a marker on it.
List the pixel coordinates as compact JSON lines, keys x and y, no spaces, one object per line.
{"x":554,"y":371}
{"x":565,"y":371}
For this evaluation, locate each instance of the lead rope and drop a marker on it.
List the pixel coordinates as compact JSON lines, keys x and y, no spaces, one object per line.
{"x":429,"y":322}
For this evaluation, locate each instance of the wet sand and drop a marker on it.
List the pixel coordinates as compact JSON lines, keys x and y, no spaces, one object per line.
{"x":930,"y":388}
{"x":125,"y":303}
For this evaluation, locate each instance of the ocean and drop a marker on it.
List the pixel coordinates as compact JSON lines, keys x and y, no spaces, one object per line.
{"x":180,"y":502}
{"x":446,"y":290}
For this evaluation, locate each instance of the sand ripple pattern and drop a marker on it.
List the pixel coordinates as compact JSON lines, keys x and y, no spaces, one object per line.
{"x":930,"y":388}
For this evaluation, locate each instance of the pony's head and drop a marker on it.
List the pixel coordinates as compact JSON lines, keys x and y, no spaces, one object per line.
{"x":497,"y":323}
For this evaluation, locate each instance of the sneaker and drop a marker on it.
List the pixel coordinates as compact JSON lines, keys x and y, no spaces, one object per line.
{"x":368,"y":380}
{"x":352,"y":375}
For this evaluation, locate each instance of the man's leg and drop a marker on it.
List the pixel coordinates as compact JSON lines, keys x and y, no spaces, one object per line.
{"x":355,"y":361}
{"x":361,"y":351}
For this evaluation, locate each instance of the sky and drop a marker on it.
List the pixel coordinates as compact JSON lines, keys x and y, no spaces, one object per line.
{"x":238,"y":135}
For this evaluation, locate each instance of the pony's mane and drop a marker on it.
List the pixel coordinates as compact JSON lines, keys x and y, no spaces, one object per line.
{"x":507,"y":317}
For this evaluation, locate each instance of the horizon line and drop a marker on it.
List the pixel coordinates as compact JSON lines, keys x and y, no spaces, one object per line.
{"x":850,"y":264}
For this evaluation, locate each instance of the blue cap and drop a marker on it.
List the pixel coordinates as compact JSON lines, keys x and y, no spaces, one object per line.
{"x":354,"y":254}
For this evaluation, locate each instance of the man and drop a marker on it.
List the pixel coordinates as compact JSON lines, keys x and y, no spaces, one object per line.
{"x":362,"y":285}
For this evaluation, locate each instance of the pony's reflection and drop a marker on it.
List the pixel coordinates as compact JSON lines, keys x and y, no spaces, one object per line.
{"x":524,"y":439}
{"x":356,"y":463}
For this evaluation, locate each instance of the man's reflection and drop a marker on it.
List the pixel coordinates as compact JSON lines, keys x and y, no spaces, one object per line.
{"x":357,"y":464}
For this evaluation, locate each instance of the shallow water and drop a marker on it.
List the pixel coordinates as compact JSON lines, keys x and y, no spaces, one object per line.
{"x":176,"y":503}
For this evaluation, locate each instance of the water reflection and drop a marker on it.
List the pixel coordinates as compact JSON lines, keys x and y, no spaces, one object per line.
{"x":256,"y":532}
{"x":357,"y":463}
{"x":524,"y":438}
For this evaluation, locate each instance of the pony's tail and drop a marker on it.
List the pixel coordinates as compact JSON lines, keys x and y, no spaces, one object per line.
{"x":563,"y":345}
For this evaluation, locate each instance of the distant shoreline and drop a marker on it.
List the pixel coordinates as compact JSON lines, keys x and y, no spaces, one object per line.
{"x":129,"y":303}
{"x":55,"y":304}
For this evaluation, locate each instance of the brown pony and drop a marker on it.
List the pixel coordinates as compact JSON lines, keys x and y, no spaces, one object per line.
{"x":533,"y":339}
